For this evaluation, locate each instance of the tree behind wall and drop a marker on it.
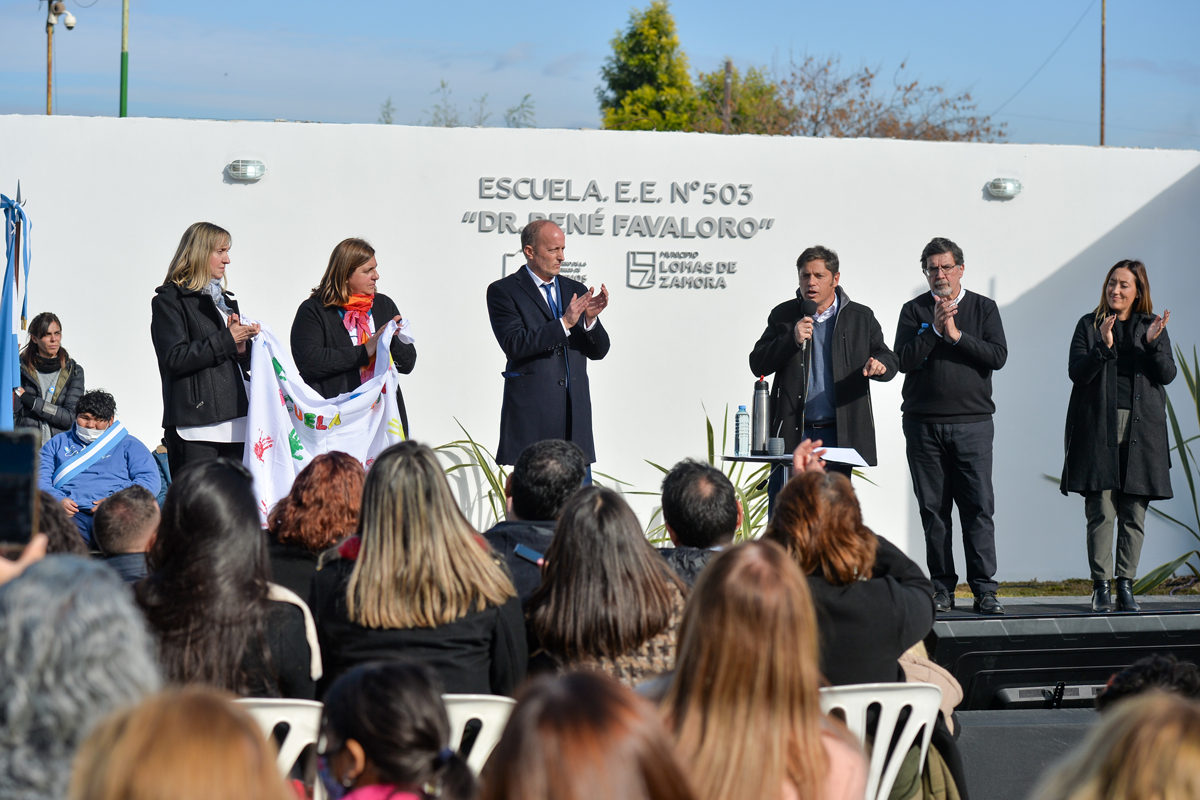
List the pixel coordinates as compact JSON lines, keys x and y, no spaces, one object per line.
{"x":647,"y":85}
{"x":757,"y":105}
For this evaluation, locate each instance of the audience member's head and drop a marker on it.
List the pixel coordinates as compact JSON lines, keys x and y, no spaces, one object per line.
{"x":1165,"y":673}
{"x":63,"y":534}
{"x":126,"y":522}
{"x":699,"y":505}
{"x":96,"y":409}
{"x":818,"y":521}
{"x":420,"y":563}
{"x":73,"y":647}
{"x":744,"y":701}
{"x":1145,"y":748}
{"x":583,"y":736}
{"x":322,"y":507}
{"x":185,"y":744}
{"x":604,"y":589}
{"x":546,"y":474}
{"x":385,"y":724}
{"x":206,"y":594}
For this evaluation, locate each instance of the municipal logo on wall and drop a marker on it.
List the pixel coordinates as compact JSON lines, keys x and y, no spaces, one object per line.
{"x":639,"y":270}
{"x":645,"y":269}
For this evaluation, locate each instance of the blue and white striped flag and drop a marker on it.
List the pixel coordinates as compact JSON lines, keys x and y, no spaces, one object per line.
{"x":14,"y":304}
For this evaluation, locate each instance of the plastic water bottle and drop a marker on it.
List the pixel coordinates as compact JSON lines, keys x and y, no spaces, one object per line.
{"x":741,"y":432}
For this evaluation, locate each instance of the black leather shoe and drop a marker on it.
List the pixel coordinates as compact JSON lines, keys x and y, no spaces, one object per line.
{"x":987,"y":603}
{"x":1102,"y":602}
{"x":1125,"y":600}
{"x":943,"y":601}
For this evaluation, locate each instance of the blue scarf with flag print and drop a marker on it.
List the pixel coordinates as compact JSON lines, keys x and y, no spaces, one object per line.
{"x":76,"y":464}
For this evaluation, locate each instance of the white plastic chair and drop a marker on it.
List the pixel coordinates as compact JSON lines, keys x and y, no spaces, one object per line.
{"x":304,"y":726}
{"x":491,"y":711}
{"x":891,"y":698}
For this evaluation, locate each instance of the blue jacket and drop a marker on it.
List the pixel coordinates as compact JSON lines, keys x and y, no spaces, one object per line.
{"x":128,"y":463}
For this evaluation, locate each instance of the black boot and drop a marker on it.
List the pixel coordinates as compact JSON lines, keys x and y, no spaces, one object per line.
{"x":1125,"y":600}
{"x":1102,"y":601}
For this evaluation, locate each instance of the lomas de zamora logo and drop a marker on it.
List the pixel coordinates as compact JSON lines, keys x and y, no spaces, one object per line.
{"x":675,"y":270}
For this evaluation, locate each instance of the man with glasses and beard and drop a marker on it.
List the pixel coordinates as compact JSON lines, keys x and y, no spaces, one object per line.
{"x":948,"y":343}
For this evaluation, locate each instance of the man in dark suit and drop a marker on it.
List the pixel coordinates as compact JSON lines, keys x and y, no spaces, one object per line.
{"x":548,"y":327}
{"x":545,"y":476}
{"x":949,"y":341}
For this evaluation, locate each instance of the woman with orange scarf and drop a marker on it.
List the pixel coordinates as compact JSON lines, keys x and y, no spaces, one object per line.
{"x":336,"y":330}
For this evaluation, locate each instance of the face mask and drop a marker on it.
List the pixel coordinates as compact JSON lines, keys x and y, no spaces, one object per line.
{"x":88,"y":435}
{"x":333,"y":787}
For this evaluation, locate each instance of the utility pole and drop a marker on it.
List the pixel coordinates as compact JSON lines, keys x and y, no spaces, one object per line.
{"x":50,"y":20}
{"x":726,"y":113}
{"x":1103,"y":14}
{"x":124,"y":58}
{"x":56,"y":8}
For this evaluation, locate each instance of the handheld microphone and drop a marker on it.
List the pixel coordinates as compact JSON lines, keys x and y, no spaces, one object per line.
{"x":808,"y":308}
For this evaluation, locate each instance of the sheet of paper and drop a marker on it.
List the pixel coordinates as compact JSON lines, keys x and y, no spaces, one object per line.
{"x":844,"y":455}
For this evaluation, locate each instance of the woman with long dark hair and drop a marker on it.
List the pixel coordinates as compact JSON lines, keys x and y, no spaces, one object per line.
{"x":51,"y":381}
{"x":1117,"y":451}
{"x":336,"y":330}
{"x":584,"y":736}
{"x":744,"y":703}
{"x":207,"y":594}
{"x":203,"y":351}
{"x":419,"y":582}
{"x":385,"y":734}
{"x":320,"y":510}
{"x":607,"y":600}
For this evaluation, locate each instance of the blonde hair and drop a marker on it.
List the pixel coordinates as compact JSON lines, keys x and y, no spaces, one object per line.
{"x":185,"y":744}
{"x":1146,"y":748}
{"x":744,"y":702}
{"x":349,"y":255}
{"x":420,"y":563}
{"x":189,"y":267}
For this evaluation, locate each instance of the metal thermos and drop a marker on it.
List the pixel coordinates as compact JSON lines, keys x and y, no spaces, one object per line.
{"x":760,"y":418}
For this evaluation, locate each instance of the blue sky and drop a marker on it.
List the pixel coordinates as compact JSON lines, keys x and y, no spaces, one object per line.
{"x":338,"y":62}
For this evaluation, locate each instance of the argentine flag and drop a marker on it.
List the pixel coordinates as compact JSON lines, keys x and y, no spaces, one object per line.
{"x":14,"y":306}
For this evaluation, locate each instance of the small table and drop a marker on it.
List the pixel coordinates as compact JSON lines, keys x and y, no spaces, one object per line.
{"x":784,"y":461}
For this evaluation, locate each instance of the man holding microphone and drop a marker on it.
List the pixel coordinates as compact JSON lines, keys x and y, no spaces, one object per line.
{"x":824,"y":349}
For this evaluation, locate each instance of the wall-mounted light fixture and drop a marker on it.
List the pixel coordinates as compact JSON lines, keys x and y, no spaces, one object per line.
{"x":1004,"y":188}
{"x":245,"y":169}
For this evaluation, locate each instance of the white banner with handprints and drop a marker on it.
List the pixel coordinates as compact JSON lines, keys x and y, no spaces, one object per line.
{"x":289,"y":423}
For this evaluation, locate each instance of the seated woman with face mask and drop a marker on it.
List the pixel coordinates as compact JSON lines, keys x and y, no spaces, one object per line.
{"x":96,"y":458}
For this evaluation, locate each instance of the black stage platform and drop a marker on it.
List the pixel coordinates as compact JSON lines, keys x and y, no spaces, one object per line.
{"x":1053,"y":652}
{"x":1030,"y":677}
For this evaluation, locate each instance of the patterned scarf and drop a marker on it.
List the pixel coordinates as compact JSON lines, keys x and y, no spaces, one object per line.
{"x":358,"y":318}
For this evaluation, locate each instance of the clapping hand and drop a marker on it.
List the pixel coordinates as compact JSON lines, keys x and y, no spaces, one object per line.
{"x":596,"y":304}
{"x":373,"y":342}
{"x":241,"y":333}
{"x":1157,"y":326}
{"x":576,"y":308}
{"x":1106,"y":329}
{"x":943,"y":319}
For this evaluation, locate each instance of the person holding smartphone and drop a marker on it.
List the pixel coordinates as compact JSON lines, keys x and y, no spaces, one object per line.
{"x":1117,"y":451}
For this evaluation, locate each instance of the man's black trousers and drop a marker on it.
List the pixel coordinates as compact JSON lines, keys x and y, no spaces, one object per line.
{"x":951,"y":464}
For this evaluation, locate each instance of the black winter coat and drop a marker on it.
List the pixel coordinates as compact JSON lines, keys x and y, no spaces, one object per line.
{"x":201,"y":370}
{"x":1093,"y":461}
{"x":505,"y":535}
{"x":537,"y":403}
{"x":329,"y":362}
{"x":857,"y":337}
{"x":865,"y":626}
{"x":59,"y":415}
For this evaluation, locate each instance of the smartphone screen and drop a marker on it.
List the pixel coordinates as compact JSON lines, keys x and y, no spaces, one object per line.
{"x":18,"y":489}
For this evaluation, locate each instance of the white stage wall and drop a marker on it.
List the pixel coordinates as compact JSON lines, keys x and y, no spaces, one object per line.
{"x":109,"y":199}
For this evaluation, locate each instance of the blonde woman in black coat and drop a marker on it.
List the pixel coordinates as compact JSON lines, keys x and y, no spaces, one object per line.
{"x":203,"y":351}
{"x":1117,"y":452}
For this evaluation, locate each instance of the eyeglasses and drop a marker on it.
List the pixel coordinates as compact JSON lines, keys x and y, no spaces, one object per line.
{"x":931,"y":271}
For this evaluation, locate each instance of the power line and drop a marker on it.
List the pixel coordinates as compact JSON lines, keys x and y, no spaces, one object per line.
{"x":1121,"y":127}
{"x":1047,"y":61}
